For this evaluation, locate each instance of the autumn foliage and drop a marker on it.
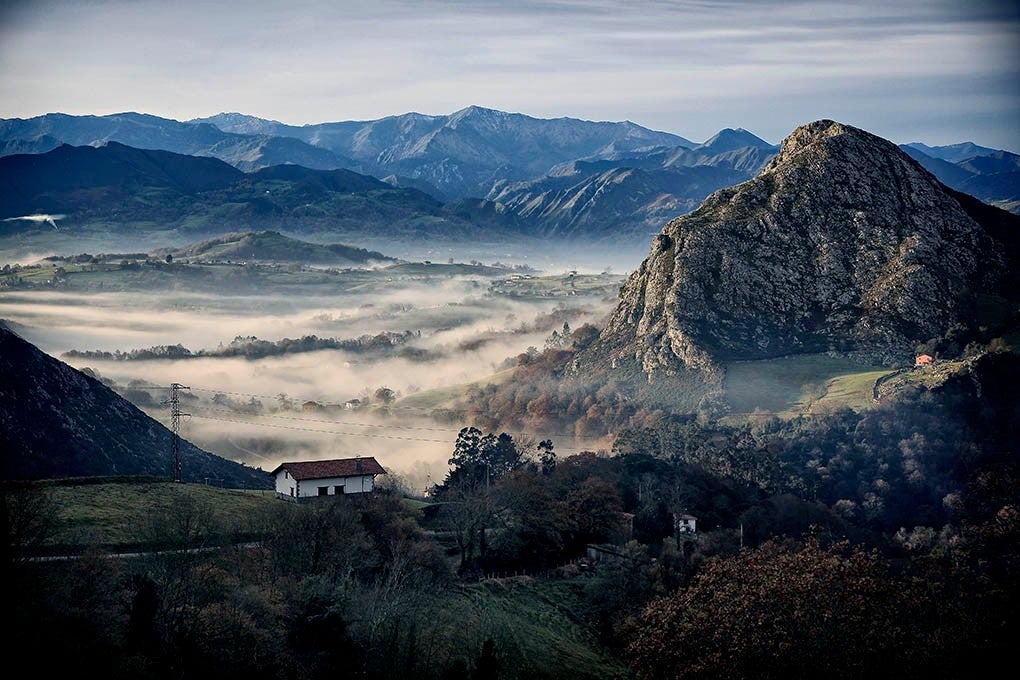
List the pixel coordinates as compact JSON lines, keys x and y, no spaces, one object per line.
{"x":783,"y":610}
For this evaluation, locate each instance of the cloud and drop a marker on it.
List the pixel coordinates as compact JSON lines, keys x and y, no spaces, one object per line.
{"x":39,"y":219}
{"x":687,"y":67}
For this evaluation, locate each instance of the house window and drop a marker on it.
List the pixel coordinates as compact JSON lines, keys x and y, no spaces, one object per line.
{"x":286,"y":475}
{"x":291,"y":491}
{"x":338,"y":490}
{"x":323,"y":490}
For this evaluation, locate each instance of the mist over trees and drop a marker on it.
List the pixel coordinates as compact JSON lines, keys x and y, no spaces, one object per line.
{"x":251,"y":347}
{"x":804,"y":561}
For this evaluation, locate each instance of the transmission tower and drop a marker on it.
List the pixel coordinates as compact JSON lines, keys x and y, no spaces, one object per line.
{"x":175,"y":427}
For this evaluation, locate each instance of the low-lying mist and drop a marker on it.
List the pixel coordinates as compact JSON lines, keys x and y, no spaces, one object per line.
{"x":465,"y":334}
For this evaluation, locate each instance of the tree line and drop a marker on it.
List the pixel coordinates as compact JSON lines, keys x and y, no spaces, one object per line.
{"x":251,"y":347}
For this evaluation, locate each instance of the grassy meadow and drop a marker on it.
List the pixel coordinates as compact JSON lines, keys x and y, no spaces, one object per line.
{"x":791,"y":386}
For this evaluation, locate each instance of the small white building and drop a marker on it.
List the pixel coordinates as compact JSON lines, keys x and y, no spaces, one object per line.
{"x":684,"y":524}
{"x":336,"y":477}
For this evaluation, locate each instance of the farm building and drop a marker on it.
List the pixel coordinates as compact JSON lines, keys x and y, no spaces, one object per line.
{"x":341,"y":476}
{"x":684,"y":524}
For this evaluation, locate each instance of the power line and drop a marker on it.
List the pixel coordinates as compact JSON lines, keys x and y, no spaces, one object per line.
{"x":571,"y":436}
{"x":433,"y":409}
{"x":308,"y":429}
{"x":333,"y":422}
{"x":175,"y":427}
{"x":340,"y":432}
{"x":355,"y":424}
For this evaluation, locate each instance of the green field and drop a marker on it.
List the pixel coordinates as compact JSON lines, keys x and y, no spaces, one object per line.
{"x":446,"y":397}
{"x":792,"y":386}
{"x":120,"y":516}
{"x":603,"y":285}
{"x":535,"y":624}
{"x":220,"y":277}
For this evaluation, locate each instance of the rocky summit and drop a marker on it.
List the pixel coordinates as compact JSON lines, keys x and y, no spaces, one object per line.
{"x":841,"y":241}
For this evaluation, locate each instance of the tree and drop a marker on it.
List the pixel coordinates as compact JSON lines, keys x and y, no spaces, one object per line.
{"x":466,"y":450}
{"x":27,"y":519}
{"x":478,"y":462}
{"x":487,"y":666}
{"x":546,"y":457}
{"x":593,"y":510}
{"x":554,"y":341}
{"x":783,"y":610}
{"x":483,"y":459}
{"x":584,"y":336}
{"x":385,"y":395}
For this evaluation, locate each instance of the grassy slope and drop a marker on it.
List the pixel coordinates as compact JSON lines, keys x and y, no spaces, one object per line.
{"x":120,"y":515}
{"x":533,"y":624}
{"x":110,"y":277}
{"x":795,"y":385}
{"x":447,"y":397}
{"x":554,"y":285}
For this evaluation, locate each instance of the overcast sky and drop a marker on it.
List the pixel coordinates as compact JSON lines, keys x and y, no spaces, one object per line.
{"x":908,"y":70}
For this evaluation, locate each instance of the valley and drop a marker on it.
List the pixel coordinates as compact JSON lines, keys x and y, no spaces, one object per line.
{"x":815,"y":366}
{"x":476,"y":340}
{"x":138,"y":322}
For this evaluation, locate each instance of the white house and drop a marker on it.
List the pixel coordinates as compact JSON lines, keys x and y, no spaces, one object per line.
{"x":326,"y":477}
{"x":684,"y":523}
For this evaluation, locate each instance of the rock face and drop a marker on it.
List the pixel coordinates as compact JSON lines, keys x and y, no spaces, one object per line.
{"x":841,"y":241}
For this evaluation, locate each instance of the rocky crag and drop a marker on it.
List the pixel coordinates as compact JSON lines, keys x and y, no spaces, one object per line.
{"x":841,"y":242}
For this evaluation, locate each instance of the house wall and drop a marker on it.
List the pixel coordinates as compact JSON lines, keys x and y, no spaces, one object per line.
{"x":284,"y":482}
{"x":310,"y":487}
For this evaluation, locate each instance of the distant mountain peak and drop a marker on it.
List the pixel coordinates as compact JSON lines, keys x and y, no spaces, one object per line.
{"x":730,"y":139}
{"x":474,"y":109}
{"x":953,"y":153}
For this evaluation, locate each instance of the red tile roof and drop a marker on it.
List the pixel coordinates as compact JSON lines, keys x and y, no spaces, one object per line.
{"x":340,"y":467}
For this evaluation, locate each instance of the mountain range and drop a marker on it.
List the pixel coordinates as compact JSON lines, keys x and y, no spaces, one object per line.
{"x":125,"y":189}
{"x":471,"y":172}
{"x":992,"y":176}
{"x":56,"y":421}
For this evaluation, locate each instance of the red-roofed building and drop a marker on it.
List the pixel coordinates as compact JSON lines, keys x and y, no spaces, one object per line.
{"x":326,"y":477}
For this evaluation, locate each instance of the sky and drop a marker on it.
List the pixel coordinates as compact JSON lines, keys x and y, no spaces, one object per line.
{"x":936,"y":71}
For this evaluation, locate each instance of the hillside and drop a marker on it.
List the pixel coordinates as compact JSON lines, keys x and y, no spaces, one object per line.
{"x":116,"y":187}
{"x":603,"y":199}
{"x":69,"y":179}
{"x":842,"y":241}
{"x":58,"y":422}
{"x":272,"y":246}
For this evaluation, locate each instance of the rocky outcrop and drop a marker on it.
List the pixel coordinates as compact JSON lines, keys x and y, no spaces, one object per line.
{"x":841,"y":241}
